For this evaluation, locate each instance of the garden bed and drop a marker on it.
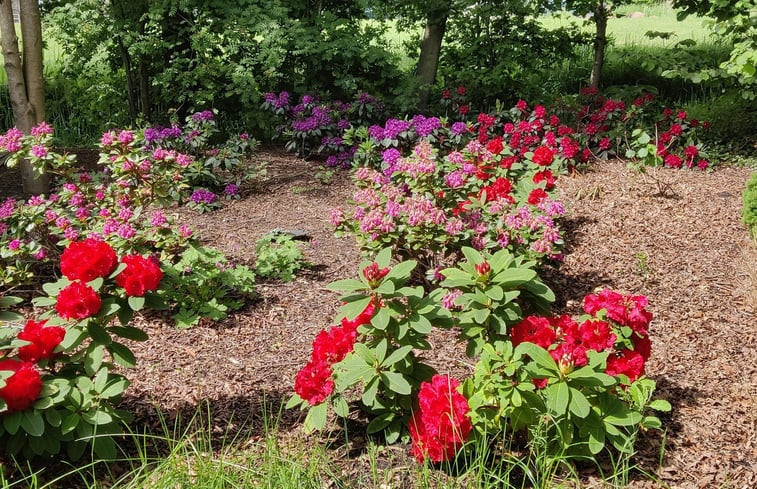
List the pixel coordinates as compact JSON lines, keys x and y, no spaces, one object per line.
{"x":676,"y":238}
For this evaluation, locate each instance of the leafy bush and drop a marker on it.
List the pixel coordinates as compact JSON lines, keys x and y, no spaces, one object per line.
{"x":278,"y":257}
{"x":586,"y":377}
{"x":204,"y":284}
{"x":749,"y":212}
{"x":58,"y":386}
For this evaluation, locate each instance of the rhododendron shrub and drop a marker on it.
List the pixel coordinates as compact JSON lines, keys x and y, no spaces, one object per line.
{"x":316,"y":127}
{"x":58,"y":386}
{"x":586,"y":375}
{"x":382,"y":327}
{"x":431,"y":205}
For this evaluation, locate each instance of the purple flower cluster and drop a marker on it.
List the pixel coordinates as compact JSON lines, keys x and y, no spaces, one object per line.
{"x":279,"y":102}
{"x":425,"y":126}
{"x":204,"y":116}
{"x":231,"y":189}
{"x":459,"y":128}
{"x":202,"y":196}
{"x":157,"y":133}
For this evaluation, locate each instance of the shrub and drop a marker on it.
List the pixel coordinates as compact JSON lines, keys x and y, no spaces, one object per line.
{"x":204,"y":284}
{"x":58,"y":389}
{"x":278,"y":257}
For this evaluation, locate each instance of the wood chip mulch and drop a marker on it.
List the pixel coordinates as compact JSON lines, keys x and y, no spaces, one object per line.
{"x":674,"y":236}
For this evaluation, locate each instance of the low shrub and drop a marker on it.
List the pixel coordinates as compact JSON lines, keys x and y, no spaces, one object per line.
{"x":59,"y":390}
{"x":278,"y":257}
{"x":749,"y":211}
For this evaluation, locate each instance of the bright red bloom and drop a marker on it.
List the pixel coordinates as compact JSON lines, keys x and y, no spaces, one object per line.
{"x":642,"y":345}
{"x":536,"y":196}
{"x":521,"y":105}
{"x":543,"y":156}
{"x":78,"y":301}
{"x":373,"y":274}
{"x":314,"y":383}
{"x":691,"y":151}
{"x":140,"y":276}
{"x":596,"y":335}
{"x":627,"y":310}
{"x":495,"y":146}
{"x":463,"y":110}
{"x":673,"y":161}
{"x":86,"y":260}
{"x":627,"y":362}
{"x":681,"y":115}
{"x":440,"y":426}
{"x":676,"y":130}
{"x":545,"y":176}
{"x":533,"y":329}
{"x":23,"y":387}
{"x":499,"y":189}
{"x":461,"y":90}
{"x":43,"y":340}
{"x":445,"y":94}
{"x":569,"y":353}
{"x":508,"y":161}
{"x":332,"y":345}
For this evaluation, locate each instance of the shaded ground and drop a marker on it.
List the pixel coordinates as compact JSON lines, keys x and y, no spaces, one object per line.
{"x":685,"y":249}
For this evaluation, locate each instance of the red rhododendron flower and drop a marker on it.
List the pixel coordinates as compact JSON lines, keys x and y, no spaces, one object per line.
{"x":627,"y":362}
{"x":625,"y":310}
{"x":461,"y":90}
{"x":642,"y":345}
{"x":78,"y":301}
{"x":673,"y":161}
{"x":545,"y":176}
{"x":521,"y":105}
{"x":495,"y":146}
{"x":23,"y":387}
{"x":596,"y":335}
{"x":43,"y":340}
{"x":543,"y":156}
{"x":440,"y":426}
{"x":332,"y":345}
{"x":314,"y":383}
{"x":463,"y":110}
{"x":373,"y":274}
{"x":140,"y":276}
{"x":499,"y":189}
{"x":533,"y":329}
{"x":86,"y":260}
{"x":536,"y":196}
{"x":569,"y":353}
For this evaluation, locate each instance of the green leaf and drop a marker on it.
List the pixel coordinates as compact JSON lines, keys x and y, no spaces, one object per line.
{"x":495,"y":292}
{"x":98,"y":333}
{"x":380,"y":350}
{"x":539,"y":355}
{"x":558,"y":397}
{"x":96,"y":283}
{"x":346,"y":285}
{"x":101,"y":379}
{"x":115,"y":387}
{"x":651,"y":422}
{"x":352,"y":309}
{"x":32,"y":423}
{"x":294,"y":401}
{"x":513,"y":277}
{"x":380,"y":422}
{"x":579,"y":405}
{"x":120,"y":268}
{"x":472,"y":255}
{"x":401,"y":271}
{"x":9,"y":301}
{"x":122,"y":355}
{"x":125,"y":315}
{"x":396,"y":356}
{"x":316,"y":417}
{"x":12,"y":421}
{"x":129,"y":333}
{"x":381,"y":320}
{"x":97,"y":417}
{"x":136,"y":303}
{"x":369,"y":392}
{"x":396,"y":383}
{"x":660,"y":405}
{"x":93,"y":358}
{"x":341,"y":408}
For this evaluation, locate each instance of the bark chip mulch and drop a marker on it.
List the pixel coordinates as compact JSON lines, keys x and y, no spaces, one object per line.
{"x":675,"y":236}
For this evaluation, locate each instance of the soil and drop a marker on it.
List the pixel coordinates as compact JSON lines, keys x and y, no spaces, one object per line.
{"x":672,"y":235}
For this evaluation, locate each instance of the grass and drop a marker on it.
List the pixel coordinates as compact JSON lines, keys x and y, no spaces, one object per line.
{"x":201,"y":455}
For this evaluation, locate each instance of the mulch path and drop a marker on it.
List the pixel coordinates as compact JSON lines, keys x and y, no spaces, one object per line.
{"x":674,"y":236}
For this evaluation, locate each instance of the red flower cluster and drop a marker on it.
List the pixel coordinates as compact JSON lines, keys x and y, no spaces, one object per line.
{"x":500,"y":189}
{"x":440,"y":426}
{"x":543,"y":156}
{"x":373,"y":274}
{"x":21,"y":388}
{"x":630,"y":311}
{"x":566,"y":340}
{"x":78,"y":301}
{"x":313,"y":382}
{"x":43,"y":340}
{"x":140,"y":276}
{"x":87,"y":260}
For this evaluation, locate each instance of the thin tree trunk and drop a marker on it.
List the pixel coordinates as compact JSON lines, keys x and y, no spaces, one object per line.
{"x":431,"y":47}
{"x":144,"y":88}
{"x":131,"y":91}
{"x":600,"y":42}
{"x":22,"y":103}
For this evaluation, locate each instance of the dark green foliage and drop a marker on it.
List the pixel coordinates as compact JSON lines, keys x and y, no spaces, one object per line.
{"x":279,"y":257}
{"x":204,"y":284}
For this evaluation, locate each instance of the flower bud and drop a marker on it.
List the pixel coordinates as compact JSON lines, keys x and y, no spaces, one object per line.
{"x":483,"y":268}
{"x":373,"y":274}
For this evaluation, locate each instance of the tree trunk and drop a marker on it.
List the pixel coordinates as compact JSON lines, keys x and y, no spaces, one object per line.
{"x":600,"y":42}
{"x":431,"y":47}
{"x":131,"y":91}
{"x":26,"y":92}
